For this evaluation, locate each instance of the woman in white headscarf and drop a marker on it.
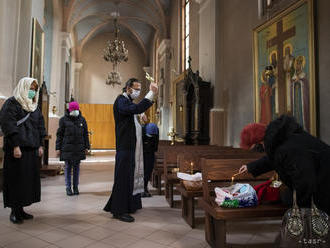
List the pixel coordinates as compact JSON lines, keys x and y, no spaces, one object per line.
{"x":22,"y":123}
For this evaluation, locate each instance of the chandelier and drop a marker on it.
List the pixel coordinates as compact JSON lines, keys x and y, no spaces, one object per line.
{"x":115,"y":52}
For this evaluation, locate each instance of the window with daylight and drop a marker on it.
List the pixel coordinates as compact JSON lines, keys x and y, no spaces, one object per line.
{"x":185,"y":33}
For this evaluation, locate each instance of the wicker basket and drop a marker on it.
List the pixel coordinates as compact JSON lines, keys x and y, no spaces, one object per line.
{"x":192,"y":185}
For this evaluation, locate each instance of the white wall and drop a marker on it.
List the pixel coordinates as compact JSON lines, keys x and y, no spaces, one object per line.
{"x":15,"y":40}
{"x":38,"y":7}
{"x":9,"y":26}
{"x":95,"y":70}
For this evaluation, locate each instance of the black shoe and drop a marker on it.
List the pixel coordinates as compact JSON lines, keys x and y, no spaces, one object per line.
{"x":124,"y":217}
{"x":15,"y":218}
{"x":25,"y":215}
{"x":75,"y":191}
{"x":145,"y":194}
{"x":69,"y":191}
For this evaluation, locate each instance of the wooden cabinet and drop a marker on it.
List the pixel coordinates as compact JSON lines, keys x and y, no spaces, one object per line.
{"x":198,"y":97}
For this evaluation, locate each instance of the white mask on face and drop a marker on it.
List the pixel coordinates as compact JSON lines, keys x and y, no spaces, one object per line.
{"x":135,"y":94}
{"x":74,"y":113}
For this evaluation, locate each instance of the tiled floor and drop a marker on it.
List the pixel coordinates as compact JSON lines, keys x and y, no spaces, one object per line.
{"x":79,"y":221}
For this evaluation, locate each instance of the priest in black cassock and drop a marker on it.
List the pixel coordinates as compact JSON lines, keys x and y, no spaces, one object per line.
{"x":128,"y":181}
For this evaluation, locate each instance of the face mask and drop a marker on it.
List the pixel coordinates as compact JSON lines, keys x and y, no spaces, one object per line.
{"x":31,"y":94}
{"x":74,"y":113}
{"x":135,"y":94}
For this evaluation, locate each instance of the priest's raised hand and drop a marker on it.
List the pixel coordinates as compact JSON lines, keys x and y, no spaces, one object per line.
{"x":154,"y":88}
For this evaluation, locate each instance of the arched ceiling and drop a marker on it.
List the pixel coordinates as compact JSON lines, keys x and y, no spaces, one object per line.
{"x":140,"y":19}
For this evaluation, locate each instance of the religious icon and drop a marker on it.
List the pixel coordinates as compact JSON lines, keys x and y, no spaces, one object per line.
{"x":286,"y":44}
{"x":37,"y":53}
{"x":289,"y":71}
{"x":273,"y":82}
{"x":300,"y":90}
{"x":266,"y":94}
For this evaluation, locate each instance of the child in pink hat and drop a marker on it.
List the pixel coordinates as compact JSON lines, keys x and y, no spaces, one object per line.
{"x":72,"y":144}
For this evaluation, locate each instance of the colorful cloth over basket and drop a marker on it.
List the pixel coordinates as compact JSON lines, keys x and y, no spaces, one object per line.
{"x":236,"y":196}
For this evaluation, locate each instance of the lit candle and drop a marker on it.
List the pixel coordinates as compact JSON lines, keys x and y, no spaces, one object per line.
{"x":232,"y":180}
{"x":191,"y":168}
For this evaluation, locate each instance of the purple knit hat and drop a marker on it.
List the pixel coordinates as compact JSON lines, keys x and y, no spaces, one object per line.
{"x":73,"y":106}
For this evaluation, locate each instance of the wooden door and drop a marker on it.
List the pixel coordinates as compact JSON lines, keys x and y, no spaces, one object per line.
{"x":101,"y":123}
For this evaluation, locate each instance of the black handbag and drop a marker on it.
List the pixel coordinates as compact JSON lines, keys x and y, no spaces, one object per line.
{"x":304,"y":227}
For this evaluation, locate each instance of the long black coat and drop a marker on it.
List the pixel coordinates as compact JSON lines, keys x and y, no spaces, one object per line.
{"x":301,"y":160}
{"x":72,"y":138}
{"x":122,"y":199}
{"x":29,"y":134}
{"x":21,"y":184}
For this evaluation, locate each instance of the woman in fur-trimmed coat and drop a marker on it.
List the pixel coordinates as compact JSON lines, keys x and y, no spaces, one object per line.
{"x":301,"y":160}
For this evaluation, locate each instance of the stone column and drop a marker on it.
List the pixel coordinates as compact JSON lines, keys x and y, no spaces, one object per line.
{"x":163,"y":57}
{"x":65,"y":54}
{"x":210,"y":64}
{"x":76,"y":87}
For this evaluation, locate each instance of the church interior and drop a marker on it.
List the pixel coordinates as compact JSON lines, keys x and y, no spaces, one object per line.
{"x":218,"y":65}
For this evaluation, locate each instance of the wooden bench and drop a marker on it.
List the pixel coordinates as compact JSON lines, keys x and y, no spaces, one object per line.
{"x":215,"y":172}
{"x":188,"y":197}
{"x":158,"y":171}
{"x":170,"y":163}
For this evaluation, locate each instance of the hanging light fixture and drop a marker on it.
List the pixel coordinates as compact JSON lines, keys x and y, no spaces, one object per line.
{"x":115,"y":52}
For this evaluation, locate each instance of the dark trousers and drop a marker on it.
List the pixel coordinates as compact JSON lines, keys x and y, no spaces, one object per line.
{"x":149,"y":162}
{"x":69,"y":166}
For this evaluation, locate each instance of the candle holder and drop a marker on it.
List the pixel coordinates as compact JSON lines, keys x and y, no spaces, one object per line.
{"x":191,"y":168}
{"x":54,"y":110}
{"x":172,"y":134}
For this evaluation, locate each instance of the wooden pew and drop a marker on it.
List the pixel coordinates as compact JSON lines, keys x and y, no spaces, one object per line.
{"x":158,"y":171}
{"x":188,"y":197}
{"x":170,"y":163}
{"x":215,"y":172}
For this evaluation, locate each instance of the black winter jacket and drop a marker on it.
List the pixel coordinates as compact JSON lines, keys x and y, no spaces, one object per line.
{"x":72,"y":138}
{"x":301,"y":160}
{"x":29,"y":134}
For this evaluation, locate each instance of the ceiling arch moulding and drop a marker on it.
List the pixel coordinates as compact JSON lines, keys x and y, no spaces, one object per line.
{"x":107,"y":18}
{"x":67,"y":9}
{"x":84,"y":26}
{"x":100,"y":26}
{"x":135,"y":6}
